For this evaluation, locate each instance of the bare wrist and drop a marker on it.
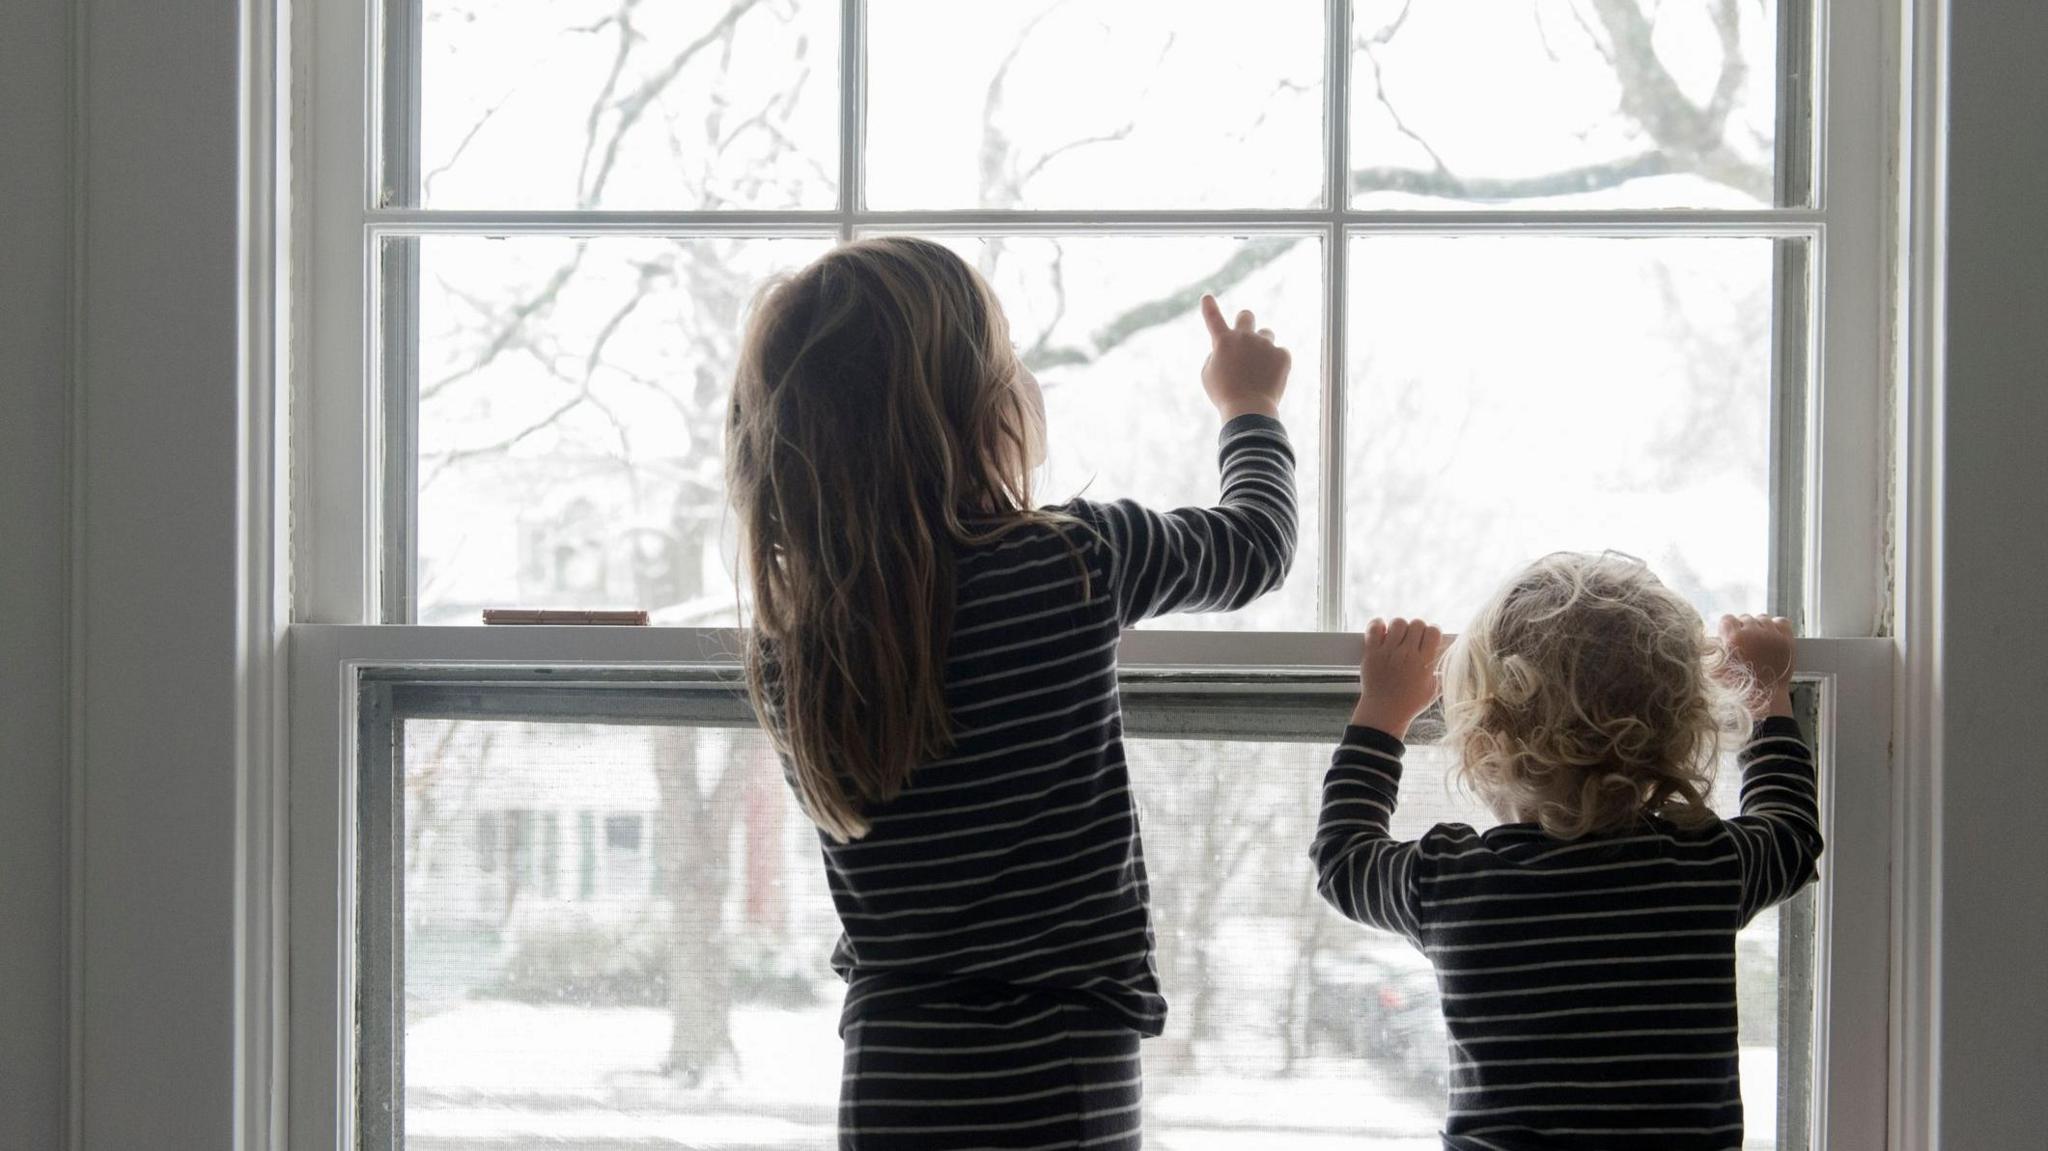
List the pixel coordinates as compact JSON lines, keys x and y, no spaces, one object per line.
{"x":1231,"y":409}
{"x":1370,"y":713}
{"x":1778,"y":704}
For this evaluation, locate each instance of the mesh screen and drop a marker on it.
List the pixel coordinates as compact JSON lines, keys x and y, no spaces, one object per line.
{"x":615,"y":936}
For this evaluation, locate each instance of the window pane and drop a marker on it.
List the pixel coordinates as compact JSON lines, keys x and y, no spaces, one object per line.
{"x":593,"y":104}
{"x":669,"y":992}
{"x":1109,"y":326}
{"x":673,"y":992}
{"x":1510,"y":397}
{"x":1137,"y":104}
{"x":1624,"y":104}
{"x":571,"y":421}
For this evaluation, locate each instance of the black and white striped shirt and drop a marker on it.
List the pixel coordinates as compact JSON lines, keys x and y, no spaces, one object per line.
{"x":1588,"y":985}
{"x":1015,"y":862}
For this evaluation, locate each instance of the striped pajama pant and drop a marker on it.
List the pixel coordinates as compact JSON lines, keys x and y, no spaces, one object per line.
{"x":1023,"y":1071}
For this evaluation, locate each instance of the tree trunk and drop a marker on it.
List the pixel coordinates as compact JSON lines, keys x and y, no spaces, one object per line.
{"x":692,"y":844}
{"x":1309,"y":924}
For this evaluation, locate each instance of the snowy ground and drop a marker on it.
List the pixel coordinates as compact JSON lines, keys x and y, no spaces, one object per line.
{"x":495,"y":1076}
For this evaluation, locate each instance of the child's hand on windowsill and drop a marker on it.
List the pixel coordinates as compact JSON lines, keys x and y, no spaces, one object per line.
{"x":1761,"y":648}
{"x":1398,"y":675}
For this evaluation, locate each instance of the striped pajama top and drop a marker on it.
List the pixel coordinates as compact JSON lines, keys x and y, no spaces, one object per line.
{"x":1014,"y":862}
{"x":1588,"y":985}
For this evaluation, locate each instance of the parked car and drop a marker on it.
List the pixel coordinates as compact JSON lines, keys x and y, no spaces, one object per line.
{"x":1378,"y":1000}
{"x":1412,"y":1030}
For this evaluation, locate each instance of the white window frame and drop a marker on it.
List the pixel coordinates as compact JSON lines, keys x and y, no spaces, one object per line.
{"x":1842,"y":591}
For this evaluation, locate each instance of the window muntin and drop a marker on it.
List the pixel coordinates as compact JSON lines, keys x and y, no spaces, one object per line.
{"x":521,"y":1005}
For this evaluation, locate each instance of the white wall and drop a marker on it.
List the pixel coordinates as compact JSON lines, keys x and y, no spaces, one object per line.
{"x":35,"y":253}
{"x":1994,"y":890}
{"x":152,"y":423}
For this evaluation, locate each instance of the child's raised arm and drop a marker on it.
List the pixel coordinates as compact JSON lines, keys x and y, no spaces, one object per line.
{"x":1220,"y":558}
{"x":1361,"y":869}
{"x":1777,"y":835}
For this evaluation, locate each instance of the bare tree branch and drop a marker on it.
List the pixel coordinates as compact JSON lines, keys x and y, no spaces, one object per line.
{"x":456,"y":455}
{"x":1543,"y":33}
{"x":1486,"y":189}
{"x":1024,"y":177}
{"x":455,"y":157}
{"x":649,"y":271}
{"x":1171,"y":306}
{"x":633,"y":106}
{"x":1593,"y":35}
{"x":1058,"y":272}
{"x":1691,"y":135}
{"x":1727,"y":19}
{"x":1379,"y":91}
{"x":627,"y":38}
{"x":1369,"y":46}
{"x":508,"y":332}
{"x":995,"y":146}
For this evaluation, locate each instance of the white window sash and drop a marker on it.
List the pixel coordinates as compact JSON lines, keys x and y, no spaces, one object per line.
{"x":1853,"y":677}
{"x":1828,"y":488}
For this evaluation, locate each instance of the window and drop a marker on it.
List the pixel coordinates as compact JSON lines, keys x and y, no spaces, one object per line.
{"x":1564,"y":275}
{"x":701,"y":1013}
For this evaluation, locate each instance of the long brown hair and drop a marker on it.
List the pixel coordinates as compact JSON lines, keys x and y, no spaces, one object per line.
{"x":876,"y":420}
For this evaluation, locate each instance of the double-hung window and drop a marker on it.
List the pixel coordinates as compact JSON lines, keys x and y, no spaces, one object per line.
{"x":1557,"y":274}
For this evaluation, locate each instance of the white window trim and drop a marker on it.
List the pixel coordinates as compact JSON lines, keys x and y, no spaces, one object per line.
{"x":336,"y":531}
{"x":1918,"y":515}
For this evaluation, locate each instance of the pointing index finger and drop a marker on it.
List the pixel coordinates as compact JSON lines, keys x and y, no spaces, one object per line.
{"x":1212,"y":317}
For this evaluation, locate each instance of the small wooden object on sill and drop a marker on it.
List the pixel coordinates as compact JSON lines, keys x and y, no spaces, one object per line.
{"x":523,"y":616}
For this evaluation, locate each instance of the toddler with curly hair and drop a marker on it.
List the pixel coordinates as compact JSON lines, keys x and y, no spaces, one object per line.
{"x":1585,"y":947}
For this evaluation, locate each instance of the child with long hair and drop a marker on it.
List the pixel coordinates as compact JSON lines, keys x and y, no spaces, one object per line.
{"x":936,"y":658}
{"x":1585,"y":948}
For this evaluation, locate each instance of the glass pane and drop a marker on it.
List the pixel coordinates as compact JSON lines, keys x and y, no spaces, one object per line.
{"x":1137,"y":104}
{"x":1621,"y":104}
{"x":594,"y":104}
{"x":615,"y":937}
{"x":572,"y":421}
{"x":1509,"y":397}
{"x":1109,"y":326}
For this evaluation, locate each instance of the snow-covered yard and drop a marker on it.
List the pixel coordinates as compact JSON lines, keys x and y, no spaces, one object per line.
{"x":489,"y":1075}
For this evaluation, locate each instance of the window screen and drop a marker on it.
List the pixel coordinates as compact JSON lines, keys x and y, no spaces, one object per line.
{"x":594,"y":917}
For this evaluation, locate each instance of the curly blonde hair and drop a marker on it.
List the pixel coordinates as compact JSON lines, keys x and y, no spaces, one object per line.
{"x":1586,"y":695}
